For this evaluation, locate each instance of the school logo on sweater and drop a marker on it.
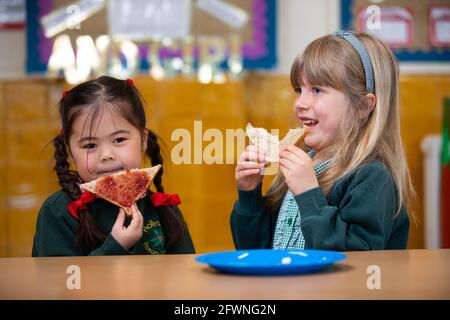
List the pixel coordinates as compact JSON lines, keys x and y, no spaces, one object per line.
{"x":154,"y":237}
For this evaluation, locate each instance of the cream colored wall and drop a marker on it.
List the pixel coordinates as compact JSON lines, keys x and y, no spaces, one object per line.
{"x":300,"y":22}
{"x":12,"y":53}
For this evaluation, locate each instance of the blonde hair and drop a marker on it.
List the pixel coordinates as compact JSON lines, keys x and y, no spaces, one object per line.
{"x":333,"y":62}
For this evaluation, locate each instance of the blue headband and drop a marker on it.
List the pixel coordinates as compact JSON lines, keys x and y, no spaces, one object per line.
{"x":365,"y":58}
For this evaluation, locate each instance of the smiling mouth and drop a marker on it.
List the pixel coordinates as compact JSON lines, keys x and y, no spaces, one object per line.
{"x":310,"y":123}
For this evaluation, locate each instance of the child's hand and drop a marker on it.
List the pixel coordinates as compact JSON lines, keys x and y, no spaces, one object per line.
{"x":128,"y":236}
{"x":249,"y":171}
{"x":298,"y":170}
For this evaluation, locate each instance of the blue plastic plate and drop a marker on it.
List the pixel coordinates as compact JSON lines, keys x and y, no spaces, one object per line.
{"x":266,"y":261}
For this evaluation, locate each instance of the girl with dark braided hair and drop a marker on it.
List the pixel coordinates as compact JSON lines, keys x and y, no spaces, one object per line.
{"x":103,"y":132}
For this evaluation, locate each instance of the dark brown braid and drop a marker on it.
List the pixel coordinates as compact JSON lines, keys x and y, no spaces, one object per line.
{"x":171,"y":220}
{"x":68,"y":179}
{"x":88,"y":234}
{"x":154,"y":153}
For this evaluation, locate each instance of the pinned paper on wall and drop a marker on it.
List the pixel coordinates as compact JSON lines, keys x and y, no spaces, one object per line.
{"x":394,"y":27}
{"x":228,"y":13}
{"x":415,"y":30}
{"x":12,"y":14}
{"x":70,"y":16}
{"x":149,"y":19}
{"x":439,"y":26}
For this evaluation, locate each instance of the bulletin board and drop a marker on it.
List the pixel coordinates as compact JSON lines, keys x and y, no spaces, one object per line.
{"x":421,"y":48}
{"x":258,"y":36}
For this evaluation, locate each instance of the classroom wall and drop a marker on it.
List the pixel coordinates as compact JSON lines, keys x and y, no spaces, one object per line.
{"x":28,"y":122}
{"x":12,"y":53}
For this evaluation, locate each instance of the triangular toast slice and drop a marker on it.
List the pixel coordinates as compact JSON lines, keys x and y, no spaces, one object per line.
{"x":123,"y":188}
{"x":271,"y":144}
{"x":265,"y":141}
{"x":294,"y":137}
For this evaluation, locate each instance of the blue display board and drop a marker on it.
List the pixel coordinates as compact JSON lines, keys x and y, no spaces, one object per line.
{"x":259,"y":52}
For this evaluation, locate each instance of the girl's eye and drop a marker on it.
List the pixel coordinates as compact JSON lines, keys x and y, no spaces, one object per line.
{"x":89,"y":146}
{"x":298,"y":90}
{"x":120,"y":140}
{"x":316,"y":90}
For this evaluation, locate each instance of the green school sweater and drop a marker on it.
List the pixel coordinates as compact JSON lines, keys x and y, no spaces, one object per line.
{"x":56,"y":229}
{"x":359,"y":213}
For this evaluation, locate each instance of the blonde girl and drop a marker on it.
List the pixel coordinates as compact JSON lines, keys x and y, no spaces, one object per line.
{"x":348,"y":187}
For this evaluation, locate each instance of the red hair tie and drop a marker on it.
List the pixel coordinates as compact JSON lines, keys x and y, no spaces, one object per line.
{"x":160,"y":199}
{"x":86,"y":197}
{"x":65,"y":92}
{"x":130,"y":81}
{"x":61,"y":133}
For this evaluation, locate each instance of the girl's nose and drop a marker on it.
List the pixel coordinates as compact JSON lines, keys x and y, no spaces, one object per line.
{"x":301,"y":103}
{"x":298,"y":105}
{"x":107,"y":156}
{"x":304,"y":107}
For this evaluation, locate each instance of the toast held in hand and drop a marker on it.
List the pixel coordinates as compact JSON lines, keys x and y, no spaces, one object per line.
{"x":123,"y":188}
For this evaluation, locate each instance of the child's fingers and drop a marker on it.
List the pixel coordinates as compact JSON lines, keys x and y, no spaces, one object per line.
{"x":253,"y":148}
{"x":283,"y":169}
{"x":252,"y":156}
{"x":291,"y":156}
{"x":288,"y":164}
{"x":296,"y":151}
{"x":245,"y":173}
{"x":249,"y":165}
{"x":245,"y":156}
{"x":136,"y":216}
{"x":120,"y":220}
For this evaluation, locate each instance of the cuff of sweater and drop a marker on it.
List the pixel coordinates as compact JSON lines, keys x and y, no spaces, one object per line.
{"x":311,"y":202}
{"x":111,"y":247}
{"x":250,"y":201}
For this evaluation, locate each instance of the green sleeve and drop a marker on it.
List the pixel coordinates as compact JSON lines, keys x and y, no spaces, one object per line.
{"x":110,"y":247}
{"x":55,"y":236}
{"x":185,"y":244}
{"x":363,"y":219}
{"x":251,"y":226}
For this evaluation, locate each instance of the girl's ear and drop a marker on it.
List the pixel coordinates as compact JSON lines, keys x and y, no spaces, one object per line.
{"x":367,"y":106}
{"x":144,"y":141}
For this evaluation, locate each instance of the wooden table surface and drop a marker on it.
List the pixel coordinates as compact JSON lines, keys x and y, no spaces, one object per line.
{"x":408,"y":274}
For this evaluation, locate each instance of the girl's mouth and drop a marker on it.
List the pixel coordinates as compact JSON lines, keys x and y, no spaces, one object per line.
{"x":310,"y":122}
{"x":108,"y":172}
